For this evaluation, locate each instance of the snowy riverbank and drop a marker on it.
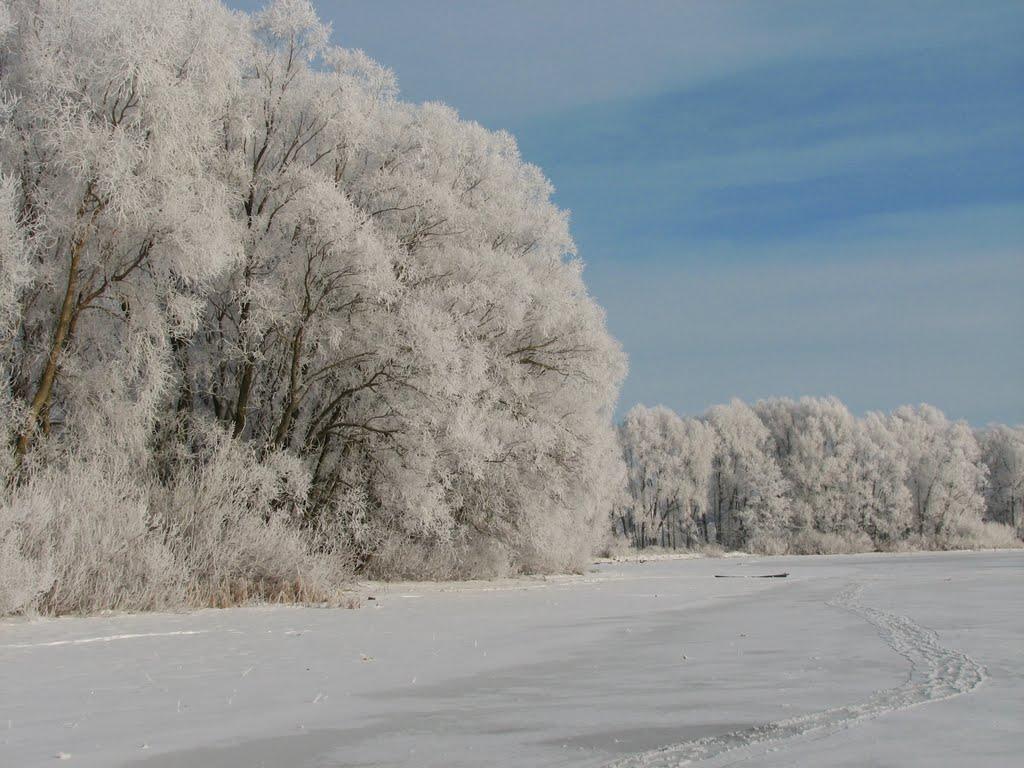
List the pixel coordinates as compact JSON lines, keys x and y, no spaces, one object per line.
{"x":633,"y":664}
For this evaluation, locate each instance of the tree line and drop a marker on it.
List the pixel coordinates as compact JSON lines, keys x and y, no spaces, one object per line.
{"x":808,"y":476}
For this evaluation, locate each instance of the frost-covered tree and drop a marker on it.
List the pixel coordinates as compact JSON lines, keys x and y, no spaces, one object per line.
{"x":946,"y":478}
{"x":698,"y":455}
{"x":16,"y":276}
{"x":108,"y":141}
{"x":407,"y":314}
{"x":883,"y":501}
{"x":668,"y":469}
{"x":846,"y":476}
{"x":748,"y":491}
{"x":1002,"y":452}
{"x":815,"y":445}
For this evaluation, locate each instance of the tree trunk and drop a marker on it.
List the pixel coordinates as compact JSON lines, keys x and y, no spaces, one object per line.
{"x":244,"y":390}
{"x":290,"y":405}
{"x":40,"y":405}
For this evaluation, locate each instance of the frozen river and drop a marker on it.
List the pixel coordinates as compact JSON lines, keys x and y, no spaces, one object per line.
{"x":872,"y":660}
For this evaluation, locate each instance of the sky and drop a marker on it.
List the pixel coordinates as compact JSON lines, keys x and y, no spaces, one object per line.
{"x":772,"y":199}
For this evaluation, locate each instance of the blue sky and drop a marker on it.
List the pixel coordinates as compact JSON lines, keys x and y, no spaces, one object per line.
{"x":779,"y":198}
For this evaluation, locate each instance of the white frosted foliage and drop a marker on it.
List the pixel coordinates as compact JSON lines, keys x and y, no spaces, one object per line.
{"x":218,"y":226}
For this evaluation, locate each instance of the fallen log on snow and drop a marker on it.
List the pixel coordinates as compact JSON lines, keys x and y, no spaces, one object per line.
{"x":743,"y":576}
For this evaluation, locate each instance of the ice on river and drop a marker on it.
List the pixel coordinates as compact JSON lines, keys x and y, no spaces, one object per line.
{"x":885,"y":660}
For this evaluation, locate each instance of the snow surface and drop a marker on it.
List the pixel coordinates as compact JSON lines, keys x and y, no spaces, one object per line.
{"x":867,"y":660}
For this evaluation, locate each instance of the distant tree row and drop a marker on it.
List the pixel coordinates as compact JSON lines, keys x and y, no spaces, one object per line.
{"x":251,"y":301}
{"x":808,"y":476}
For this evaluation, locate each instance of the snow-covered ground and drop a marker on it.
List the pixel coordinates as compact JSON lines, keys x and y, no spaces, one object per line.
{"x":870,"y":660}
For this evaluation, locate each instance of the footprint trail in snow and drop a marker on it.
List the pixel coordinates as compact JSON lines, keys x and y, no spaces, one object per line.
{"x":937,"y":673}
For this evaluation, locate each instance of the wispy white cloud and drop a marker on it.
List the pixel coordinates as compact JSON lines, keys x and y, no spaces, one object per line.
{"x":887,"y":316}
{"x":500,"y":62}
